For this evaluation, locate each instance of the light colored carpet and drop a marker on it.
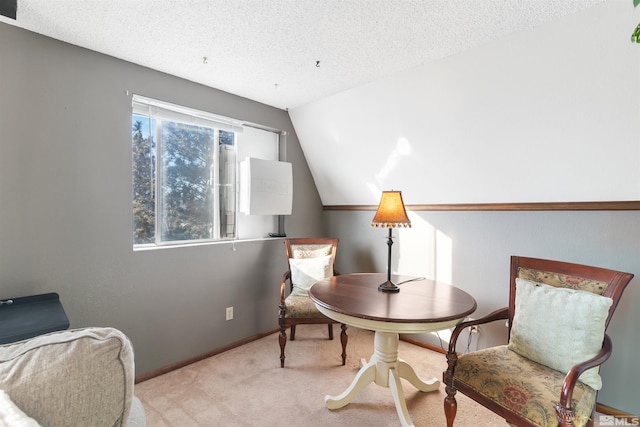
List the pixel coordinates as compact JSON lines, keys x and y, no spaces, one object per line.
{"x":245,"y":386}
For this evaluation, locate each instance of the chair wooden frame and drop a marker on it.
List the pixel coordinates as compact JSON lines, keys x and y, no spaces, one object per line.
{"x":291,"y":322}
{"x":617,"y":282}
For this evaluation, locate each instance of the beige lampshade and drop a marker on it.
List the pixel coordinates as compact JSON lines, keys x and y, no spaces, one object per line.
{"x":391,"y":211}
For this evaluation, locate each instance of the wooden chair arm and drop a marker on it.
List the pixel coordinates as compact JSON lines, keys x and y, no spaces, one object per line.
{"x":286,"y":275}
{"x":281,"y":293}
{"x":572,"y":376}
{"x":500,"y":314}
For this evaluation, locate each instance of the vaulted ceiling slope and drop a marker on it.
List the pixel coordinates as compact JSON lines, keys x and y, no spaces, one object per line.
{"x":544,"y":115}
{"x":284,"y":53}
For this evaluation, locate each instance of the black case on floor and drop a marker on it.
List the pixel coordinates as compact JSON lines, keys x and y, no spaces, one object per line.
{"x":26,"y":317}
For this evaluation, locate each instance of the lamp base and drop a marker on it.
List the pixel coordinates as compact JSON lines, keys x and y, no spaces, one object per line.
{"x":388,"y":286}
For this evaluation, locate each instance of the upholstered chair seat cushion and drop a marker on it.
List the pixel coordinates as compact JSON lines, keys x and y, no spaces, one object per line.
{"x":508,"y":379}
{"x":301,"y":307}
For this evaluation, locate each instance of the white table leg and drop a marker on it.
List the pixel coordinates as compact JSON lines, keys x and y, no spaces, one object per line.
{"x":385,"y":369}
{"x":408,"y":373}
{"x":366,"y":375}
{"x":398,"y":398}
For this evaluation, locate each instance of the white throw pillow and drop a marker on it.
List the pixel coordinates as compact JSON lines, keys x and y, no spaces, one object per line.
{"x":559,"y":327}
{"x":307,"y":271}
{"x":11,"y":415}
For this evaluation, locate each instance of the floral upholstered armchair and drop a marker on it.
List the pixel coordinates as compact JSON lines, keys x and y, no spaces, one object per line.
{"x":309,"y":260}
{"x":547,"y":375}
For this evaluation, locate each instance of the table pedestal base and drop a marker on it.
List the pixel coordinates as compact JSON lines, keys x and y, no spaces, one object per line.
{"x":385,"y":369}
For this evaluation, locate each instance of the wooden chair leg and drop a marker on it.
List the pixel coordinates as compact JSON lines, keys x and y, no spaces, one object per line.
{"x":293,"y":333}
{"x":282,"y":338}
{"x":343,"y":339}
{"x":330,"y":327}
{"x":450,"y":405}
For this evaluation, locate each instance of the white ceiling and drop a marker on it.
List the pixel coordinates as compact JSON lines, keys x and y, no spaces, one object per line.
{"x":268,"y":50}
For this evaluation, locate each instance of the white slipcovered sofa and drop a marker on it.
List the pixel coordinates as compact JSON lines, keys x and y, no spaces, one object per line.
{"x":80,"y":377}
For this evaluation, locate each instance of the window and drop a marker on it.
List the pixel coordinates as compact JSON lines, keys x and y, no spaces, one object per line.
{"x":185,"y":174}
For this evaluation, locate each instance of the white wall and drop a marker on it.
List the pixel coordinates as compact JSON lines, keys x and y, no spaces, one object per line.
{"x":550,"y":114}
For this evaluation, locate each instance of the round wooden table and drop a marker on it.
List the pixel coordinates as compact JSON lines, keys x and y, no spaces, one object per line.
{"x":422,"y":305}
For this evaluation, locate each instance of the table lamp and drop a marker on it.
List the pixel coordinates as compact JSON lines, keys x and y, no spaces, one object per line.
{"x":391,"y":213}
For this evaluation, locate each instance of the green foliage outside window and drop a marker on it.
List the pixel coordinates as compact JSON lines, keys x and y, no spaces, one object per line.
{"x":635,"y":37}
{"x":144,"y":165}
{"x":174,"y":195}
{"x":187,"y":182}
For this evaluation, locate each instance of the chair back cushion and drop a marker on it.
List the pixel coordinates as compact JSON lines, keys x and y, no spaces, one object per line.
{"x":560,"y":280}
{"x":311,"y":250}
{"x":559,"y":327}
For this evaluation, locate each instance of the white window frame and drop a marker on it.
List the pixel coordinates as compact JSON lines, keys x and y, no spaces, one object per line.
{"x":152,"y":108}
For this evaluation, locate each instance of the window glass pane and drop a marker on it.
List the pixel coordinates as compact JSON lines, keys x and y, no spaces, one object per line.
{"x":186,"y":185}
{"x":144,"y":164}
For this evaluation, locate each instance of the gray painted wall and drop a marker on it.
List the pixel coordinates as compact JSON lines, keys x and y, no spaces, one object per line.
{"x":480,"y":246}
{"x":65,"y":206}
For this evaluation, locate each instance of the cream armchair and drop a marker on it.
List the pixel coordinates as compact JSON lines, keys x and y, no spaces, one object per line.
{"x":81,"y":377}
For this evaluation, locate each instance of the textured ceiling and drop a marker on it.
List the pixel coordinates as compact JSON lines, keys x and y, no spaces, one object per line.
{"x":268,"y":50}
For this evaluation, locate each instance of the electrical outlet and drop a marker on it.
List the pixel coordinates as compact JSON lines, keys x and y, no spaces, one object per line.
{"x":475,"y":329}
{"x":229,"y":313}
